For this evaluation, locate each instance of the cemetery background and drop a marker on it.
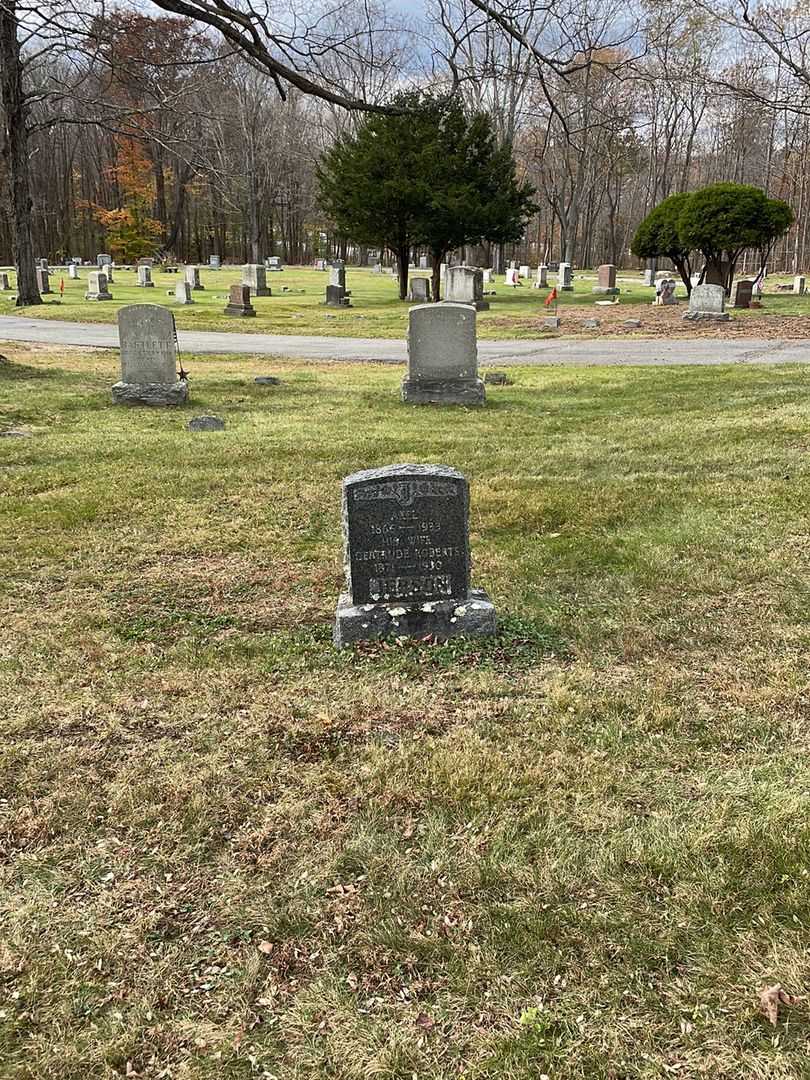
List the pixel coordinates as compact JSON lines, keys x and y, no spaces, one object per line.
{"x":574,"y":848}
{"x":376,"y":312}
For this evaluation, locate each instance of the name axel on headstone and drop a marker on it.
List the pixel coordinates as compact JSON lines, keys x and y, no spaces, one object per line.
{"x":407,"y":558}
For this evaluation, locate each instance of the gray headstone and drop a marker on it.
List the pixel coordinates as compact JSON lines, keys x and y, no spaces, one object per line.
{"x":273,"y":263}
{"x":214,"y":262}
{"x":97,"y":286}
{"x":423,"y":262}
{"x":43,"y":280}
{"x":255,"y":275}
{"x":407,"y":557}
{"x":798,"y":285}
{"x":707,"y":302}
{"x":192,"y":276}
{"x":337,"y":275}
{"x":182,"y":292}
{"x":442,"y":356}
{"x":565,"y":277}
{"x":541,"y":280}
{"x":420,"y":290}
{"x":465,"y":285}
{"x":4,"y":283}
{"x":73,"y":271}
{"x":103,"y":260}
{"x":206,"y":423}
{"x":148,"y":358}
{"x":267,"y":380}
{"x":336,"y":296}
{"x":145,"y":277}
{"x":742,"y":293}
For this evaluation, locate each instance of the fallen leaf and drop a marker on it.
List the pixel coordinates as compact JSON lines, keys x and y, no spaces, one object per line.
{"x":424,"y":1021}
{"x":772,"y":997}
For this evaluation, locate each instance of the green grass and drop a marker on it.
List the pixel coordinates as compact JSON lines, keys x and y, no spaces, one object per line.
{"x":577,"y":850}
{"x":376,"y":312}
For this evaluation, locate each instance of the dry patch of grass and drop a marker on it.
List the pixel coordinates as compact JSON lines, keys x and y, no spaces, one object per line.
{"x":578,"y":850}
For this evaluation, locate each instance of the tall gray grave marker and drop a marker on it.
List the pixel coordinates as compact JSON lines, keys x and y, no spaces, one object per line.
{"x":146,"y":334}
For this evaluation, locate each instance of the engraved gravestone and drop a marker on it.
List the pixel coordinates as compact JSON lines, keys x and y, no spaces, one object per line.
{"x":146,"y":335}
{"x":420,"y":290}
{"x":337,"y":274}
{"x":43,"y":280}
{"x":182,"y":292}
{"x":606,"y":280}
{"x":541,"y":280}
{"x":239,"y":302}
{"x":407,"y":557}
{"x":214,"y":262}
{"x":442,"y":356}
{"x":255,"y":275}
{"x":145,"y":277}
{"x":465,"y":285}
{"x":707,"y":302}
{"x":73,"y":271}
{"x":565,"y":276}
{"x":742,"y":293}
{"x":192,"y":276}
{"x":97,"y":286}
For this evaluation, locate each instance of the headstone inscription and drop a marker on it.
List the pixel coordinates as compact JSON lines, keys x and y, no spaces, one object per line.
{"x":97,"y":286}
{"x":742,"y":293}
{"x":146,"y":334}
{"x":239,"y":302}
{"x":43,"y":281}
{"x":565,"y":277}
{"x":606,"y":280}
{"x":707,"y":302}
{"x":182,"y":292}
{"x":465,"y":285}
{"x":145,"y":277}
{"x":407,"y":557}
{"x":192,"y":276}
{"x":442,"y":356}
{"x":255,"y":275}
{"x":541,"y":279}
{"x":420,"y":290}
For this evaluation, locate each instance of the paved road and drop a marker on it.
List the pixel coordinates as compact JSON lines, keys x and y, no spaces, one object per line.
{"x":569,"y":352}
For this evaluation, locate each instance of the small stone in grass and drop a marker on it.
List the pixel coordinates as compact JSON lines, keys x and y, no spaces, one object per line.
{"x":267,"y":380}
{"x":15,"y":433}
{"x":632,"y":324}
{"x":497,"y":378}
{"x":591,"y":324}
{"x":206,"y":423}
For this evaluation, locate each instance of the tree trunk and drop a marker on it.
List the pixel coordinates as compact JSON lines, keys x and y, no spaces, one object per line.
{"x":403,"y":260}
{"x":15,"y":153}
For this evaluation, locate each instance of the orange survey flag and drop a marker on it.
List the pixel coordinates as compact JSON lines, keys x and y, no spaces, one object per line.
{"x":61,"y":286}
{"x":552,"y":296}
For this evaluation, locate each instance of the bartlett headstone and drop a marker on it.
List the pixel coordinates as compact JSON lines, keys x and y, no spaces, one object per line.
{"x":707,"y":302}
{"x":606,"y":280}
{"x":192,"y":276}
{"x":420,"y":290}
{"x":145,"y":277}
{"x":148,"y":358}
{"x":407,"y":557}
{"x":255,"y":276}
{"x":239,"y":302}
{"x":43,"y":280}
{"x":97,"y":286}
{"x":182,"y":292}
{"x":442,"y":356}
{"x":742,"y":293}
{"x":465,"y":285}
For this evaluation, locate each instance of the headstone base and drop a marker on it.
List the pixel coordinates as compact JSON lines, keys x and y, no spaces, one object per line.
{"x":604,"y":290}
{"x":98,"y":296}
{"x":443,"y":391}
{"x":566,"y":288}
{"x":706,"y":316}
{"x":246,"y":310}
{"x":473,"y":616}
{"x":266,"y":291}
{"x":150,"y":393}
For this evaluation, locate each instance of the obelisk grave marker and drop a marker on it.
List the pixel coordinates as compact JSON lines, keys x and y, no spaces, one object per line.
{"x":407,"y":557}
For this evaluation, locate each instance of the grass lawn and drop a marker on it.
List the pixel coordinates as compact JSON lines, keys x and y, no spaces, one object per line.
{"x":376,"y":312}
{"x":578,"y":850}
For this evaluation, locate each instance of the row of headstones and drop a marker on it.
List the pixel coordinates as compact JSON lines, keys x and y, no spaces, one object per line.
{"x":406,"y":527}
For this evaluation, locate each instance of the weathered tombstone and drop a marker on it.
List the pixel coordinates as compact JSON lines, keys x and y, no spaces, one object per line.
{"x":43,"y":280}
{"x":650,"y":271}
{"x":239,"y":302}
{"x":487,"y":275}
{"x":442,"y":356}
{"x":420,"y":290}
{"x":565,"y":277}
{"x":214,"y":262}
{"x":707,"y":302}
{"x":145,"y":278}
{"x":798,"y":285}
{"x":73,"y":271}
{"x":337,"y":275}
{"x":148,"y":358}
{"x":206,"y":423}
{"x":606,"y":278}
{"x":147,"y":260}
{"x":4,"y":283}
{"x":407,"y":557}
{"x":273,"y":263}
{"x":192,"y":276}
{"x":103,"y":260}
{"x":423,"y":262}
{"x":97,"y":286}
{"x":525,"y":271}
{"x":255,"y":275}
{"x":512,"y":277}
{"x":182,"y":292}
{"x":742,"y":293}
{"x":465,"y":285}
{"x":336,"y":297}
{"x":541,"y":279}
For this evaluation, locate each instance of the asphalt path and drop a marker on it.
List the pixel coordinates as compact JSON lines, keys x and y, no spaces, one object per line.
{"x":573,"y":352}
